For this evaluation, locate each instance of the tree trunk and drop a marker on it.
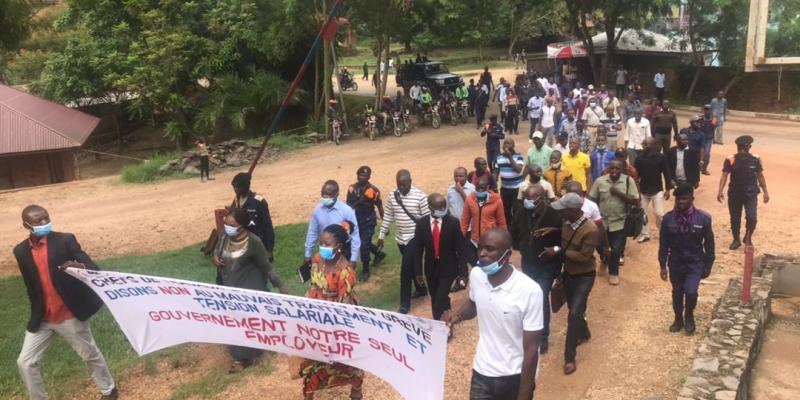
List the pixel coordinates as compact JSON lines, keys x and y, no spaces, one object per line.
{"x":316,"y":85}
{"x":695,"y":79}
{"x":385,"y":76}
{"x":407,"y":45}
{"x":733,"y":81}
{"x":326,"y":71}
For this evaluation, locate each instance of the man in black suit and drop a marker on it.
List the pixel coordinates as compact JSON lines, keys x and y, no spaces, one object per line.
{"x":688,"y":171}
{"x":60,"y":303}
{"x":438,"y":237}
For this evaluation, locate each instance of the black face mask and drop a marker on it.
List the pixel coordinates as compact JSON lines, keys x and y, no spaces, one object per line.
{"x":536,"y":178}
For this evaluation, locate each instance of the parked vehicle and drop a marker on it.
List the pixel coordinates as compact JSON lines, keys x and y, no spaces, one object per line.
{"x":397,"y":124}
{"x":433,"y":74}
{"x":463,"y":111}
{"x":432,"y":114}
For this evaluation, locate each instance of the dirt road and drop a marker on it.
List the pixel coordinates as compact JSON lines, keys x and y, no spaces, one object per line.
{"x":630,"y":356}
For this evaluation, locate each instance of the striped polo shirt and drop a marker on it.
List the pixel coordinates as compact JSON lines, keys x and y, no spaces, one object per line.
{"x":416,"y":202}
{"x":509,"y":178}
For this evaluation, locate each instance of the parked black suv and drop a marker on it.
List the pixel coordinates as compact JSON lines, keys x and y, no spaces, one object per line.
{"x":433,"y":74}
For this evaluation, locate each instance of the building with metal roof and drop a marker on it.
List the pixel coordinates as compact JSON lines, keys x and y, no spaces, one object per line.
{"x":39,"y":139}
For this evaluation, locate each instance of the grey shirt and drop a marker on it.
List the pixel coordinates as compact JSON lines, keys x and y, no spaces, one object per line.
{"x":246,"y":264}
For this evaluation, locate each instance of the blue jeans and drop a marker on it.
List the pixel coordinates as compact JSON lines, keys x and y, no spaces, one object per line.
{"x":735,"y":204}
{"x":543,"y":274}
{"x":709,"y":140}
{"x":493,"y":388}
{"x":616,"y":240}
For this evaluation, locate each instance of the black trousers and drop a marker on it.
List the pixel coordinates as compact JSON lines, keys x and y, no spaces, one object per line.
{"x":735,"y":204}
{"x":685,"y":281}
{"x":480,"y":115}
{"x":577,"y":288}
{"x":660,"y":94}
{"x":512,"y":123}
{"x":620,"y":91}
{"x":407,"y":278}
{"x":494,"y":388}
{"x":509,"y":196}
{"x":365,"y":232}
{"x":439,"y":283}
{"x":491,"y":158}
{"x":204,"y":167}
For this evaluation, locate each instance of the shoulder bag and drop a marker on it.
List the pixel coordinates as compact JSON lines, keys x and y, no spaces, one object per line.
{"x":635,"y":217}
{"x":400,"y":203}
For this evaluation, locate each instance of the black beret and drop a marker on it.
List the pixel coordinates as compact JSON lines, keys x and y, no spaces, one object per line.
{"x":744,"y":140}
{"x":683,"y":189}
{"x":242,"y":180}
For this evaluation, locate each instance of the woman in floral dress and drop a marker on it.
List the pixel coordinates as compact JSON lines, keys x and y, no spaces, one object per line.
{"x":332,"y":279}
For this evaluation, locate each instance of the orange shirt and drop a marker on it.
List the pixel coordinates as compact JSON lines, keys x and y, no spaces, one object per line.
{"x":55,"y":310}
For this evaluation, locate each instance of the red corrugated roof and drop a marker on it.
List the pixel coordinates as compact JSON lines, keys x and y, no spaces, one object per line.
{"x":29,"y":124}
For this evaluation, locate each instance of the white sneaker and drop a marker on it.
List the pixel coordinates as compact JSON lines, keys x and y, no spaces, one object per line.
{"x":642,"y":238}
{"x":621,"y":260}
{"x":613,"y":280}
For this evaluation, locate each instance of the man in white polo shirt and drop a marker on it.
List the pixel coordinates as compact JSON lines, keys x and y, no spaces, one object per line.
{"x":508,"y":305}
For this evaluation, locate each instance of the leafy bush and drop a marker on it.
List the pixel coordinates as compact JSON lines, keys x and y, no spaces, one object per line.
{"x":146,"y":171}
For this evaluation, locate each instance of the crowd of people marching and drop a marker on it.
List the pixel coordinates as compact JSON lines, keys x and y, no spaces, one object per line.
{"x":597,"y":166}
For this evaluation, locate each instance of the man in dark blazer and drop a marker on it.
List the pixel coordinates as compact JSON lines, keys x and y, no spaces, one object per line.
{"x":60,"y":304}
{"x":442,"y":258}
{"x":691,"y":162}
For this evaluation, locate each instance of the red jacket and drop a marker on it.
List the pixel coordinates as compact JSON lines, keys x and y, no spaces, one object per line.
{"x":482,"y":218}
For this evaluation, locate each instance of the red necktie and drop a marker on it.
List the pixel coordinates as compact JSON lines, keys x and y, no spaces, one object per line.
{"x":436,"y":238}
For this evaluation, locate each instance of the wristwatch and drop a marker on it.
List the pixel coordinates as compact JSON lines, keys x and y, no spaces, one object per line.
{"x":556,"y":249}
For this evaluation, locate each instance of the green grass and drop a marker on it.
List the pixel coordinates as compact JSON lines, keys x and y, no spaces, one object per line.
{"x":65,"y":374}
{"x":284,"y":142}
{"x":148,"y":170}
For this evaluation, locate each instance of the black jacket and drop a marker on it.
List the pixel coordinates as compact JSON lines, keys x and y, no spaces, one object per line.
{"x":260,"y":219}
{"x":524,"y":223}
{"x":691,"y":164}
{"x":452,"y":248}
{"x":81,"y":301}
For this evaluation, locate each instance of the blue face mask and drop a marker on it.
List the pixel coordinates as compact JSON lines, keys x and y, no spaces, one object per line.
{"x":327,"y":253}
{"x":231,"y":230}
{"x":492,"y":268}
{"x":42,"y":230}
{"x":327,"y":201}
{"x":529,"y":204}
{"x":482,"y":195}
{"x":439,"y":213}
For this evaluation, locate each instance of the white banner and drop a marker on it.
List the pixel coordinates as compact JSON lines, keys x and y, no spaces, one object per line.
{"x":407,"y":352}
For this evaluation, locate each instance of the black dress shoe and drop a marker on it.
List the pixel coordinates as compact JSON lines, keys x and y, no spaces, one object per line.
{"x":706,"y":173}
{"x":544,"y":346}
{"x":689,"y":324}
{"x":676,"y":326}
{"x":735,"y":244}
{"x":418,"y":294}
{"x":403,"y":310}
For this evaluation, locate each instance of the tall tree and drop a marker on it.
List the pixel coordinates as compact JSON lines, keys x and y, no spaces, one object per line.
{"x":613,"y":17}
{"x":15,"y":22}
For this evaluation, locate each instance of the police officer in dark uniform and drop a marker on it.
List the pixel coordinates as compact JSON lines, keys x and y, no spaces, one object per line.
{"x":747,"y":181}
{"x":257,"y":208}
{"x":364,"y":197}
{"x":685,"y":254}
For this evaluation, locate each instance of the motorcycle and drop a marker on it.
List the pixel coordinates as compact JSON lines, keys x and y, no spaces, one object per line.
{"x":432,"y":115}
{"x":347,"y":82}
{"x":406,"y":115}
{"x":463,"y":111}
{"x":397,"y":125}
{"x":452,"y":112}
{"x":336,"y":131}
{"x":371,"y":126}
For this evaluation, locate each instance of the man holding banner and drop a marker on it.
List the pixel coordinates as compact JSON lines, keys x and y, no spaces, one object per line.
{"x":60,"y":304}
{"x":508,"y":305}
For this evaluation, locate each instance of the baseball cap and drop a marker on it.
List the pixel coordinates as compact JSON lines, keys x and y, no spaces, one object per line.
{"x":694,"y":118}
{"x":538,"y":134}
{"x":570,"y":200}
{"x":744,"y":140}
